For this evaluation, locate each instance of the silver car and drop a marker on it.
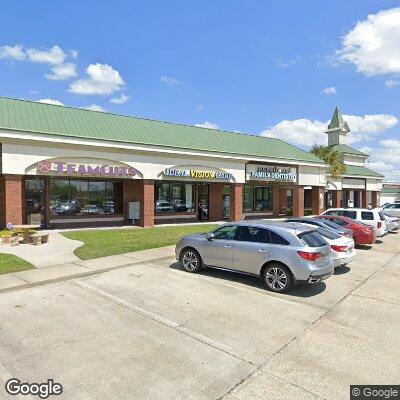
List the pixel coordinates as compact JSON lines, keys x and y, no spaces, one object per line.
{"x":281,"y":253}
{"x":391,"y":210}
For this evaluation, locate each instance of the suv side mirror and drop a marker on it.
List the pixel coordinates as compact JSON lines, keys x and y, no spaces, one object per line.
{"x":210,"y":236}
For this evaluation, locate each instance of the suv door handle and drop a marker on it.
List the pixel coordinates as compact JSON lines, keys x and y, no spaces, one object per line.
{"x":227,"y":246}
{"x":262,"y":251}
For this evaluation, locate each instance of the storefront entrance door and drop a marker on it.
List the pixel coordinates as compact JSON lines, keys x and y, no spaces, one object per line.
{"x":203,"y":201}
{"x":35,"y":201}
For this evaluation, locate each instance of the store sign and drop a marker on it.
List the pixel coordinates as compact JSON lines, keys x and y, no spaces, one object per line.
{"x":197,"y":174}
{"x":85,"y":169}
{"x":271,"y":173}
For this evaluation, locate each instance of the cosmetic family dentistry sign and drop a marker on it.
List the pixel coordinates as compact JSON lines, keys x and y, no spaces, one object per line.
{"x":273,"y":173}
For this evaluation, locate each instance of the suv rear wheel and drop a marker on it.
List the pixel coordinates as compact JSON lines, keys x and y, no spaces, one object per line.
{"x":191,"y":260}
{"x":277,"y":278}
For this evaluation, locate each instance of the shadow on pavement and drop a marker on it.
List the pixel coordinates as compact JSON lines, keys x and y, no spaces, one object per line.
{"x":363,"y":247}
{"x":301,"y":290}
{"x":344,"y":269}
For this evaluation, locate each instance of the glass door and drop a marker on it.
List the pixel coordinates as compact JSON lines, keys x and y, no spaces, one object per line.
{"x":226,"y":201}
{"x":203,"y":201}
{"x":35,"y":201}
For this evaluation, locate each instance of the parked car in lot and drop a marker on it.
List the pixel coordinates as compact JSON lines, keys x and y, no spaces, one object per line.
{"x":392,"y":223}
{"x":362,"y":234}
{"x":343,"y":251}
{"x":281,"y":253}
{"x":391,"y":209}
{"x":373,"y":217}
{"x":323,"y":223}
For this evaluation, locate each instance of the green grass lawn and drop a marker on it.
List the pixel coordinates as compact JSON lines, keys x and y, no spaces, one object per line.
{"x":105,"y":242}
{"x":11,"y":263}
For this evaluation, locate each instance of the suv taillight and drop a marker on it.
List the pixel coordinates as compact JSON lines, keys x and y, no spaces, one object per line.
{"x":340,"y":249}
{"x":309,"y":256}
{"x":379,"y":225}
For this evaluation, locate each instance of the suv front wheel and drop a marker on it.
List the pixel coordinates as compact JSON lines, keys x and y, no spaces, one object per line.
{"x":277,"y":278}
{"x":191,"y":260}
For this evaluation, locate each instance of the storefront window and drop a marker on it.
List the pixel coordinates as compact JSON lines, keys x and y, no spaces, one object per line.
{"x":257,"y":198}
{"x":81,"y":197}
{"x":174,"y":197}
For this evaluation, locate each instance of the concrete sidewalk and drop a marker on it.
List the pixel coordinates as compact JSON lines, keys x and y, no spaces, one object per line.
{"x":58,"y":251}
{"x":77,"y":268}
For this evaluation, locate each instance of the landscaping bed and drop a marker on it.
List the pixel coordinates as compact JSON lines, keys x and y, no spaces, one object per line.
{"x":107,"y":242}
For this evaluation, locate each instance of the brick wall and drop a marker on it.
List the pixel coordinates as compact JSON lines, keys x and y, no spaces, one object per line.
{"x":318,"y":200}
{"x":143,"y":192}
{"x":236,"y":201}
{"x":11,"y":200}
{"x":298,"y":201}
{"x":216,"y":201}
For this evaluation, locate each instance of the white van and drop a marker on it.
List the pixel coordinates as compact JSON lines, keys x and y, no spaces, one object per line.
{"x":373,"y":218}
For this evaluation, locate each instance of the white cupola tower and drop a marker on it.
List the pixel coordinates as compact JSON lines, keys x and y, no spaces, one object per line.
{"x":337,"y":129}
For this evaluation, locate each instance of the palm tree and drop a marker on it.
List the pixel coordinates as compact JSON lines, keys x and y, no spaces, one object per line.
{"x":331,"y":157}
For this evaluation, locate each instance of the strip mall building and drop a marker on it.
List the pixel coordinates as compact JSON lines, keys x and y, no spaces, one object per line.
{"x":66,"y":167}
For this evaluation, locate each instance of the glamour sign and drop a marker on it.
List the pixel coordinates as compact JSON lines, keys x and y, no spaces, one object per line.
{"x":271,"y":173}
{"x":77,"y":169}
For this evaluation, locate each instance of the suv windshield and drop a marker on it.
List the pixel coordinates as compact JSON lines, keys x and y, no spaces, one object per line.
{"x":312,"y":239}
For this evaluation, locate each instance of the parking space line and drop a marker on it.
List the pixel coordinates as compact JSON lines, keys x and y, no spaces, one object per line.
{"x":161,"y":320}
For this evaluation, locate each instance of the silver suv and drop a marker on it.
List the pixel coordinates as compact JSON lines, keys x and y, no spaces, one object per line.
{"x":282,"y":253}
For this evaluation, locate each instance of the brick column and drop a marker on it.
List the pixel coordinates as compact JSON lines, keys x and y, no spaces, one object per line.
{"x":143,"y":192}
{"x":317,"y":200}
{"x":298,"y":201}
{"x":375,"y":199}
{"x":147,"y":203}
{"x":364,"y":198}
{"x":276,"y":201}
{"x":215,"y":201}
{"x":11,"y":200}
{"x":282,"y":199}
{"x":336,"y":195}
{"x":356,"y":194}
{"x":236,"y":201}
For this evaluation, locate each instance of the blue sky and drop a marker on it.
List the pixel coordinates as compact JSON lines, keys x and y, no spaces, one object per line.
{"x":259,"y":67}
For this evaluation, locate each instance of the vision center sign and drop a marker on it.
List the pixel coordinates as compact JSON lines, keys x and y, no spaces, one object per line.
{"x":194,"y":173}
{"x":86,"y":168}
{"x":273,"y":173}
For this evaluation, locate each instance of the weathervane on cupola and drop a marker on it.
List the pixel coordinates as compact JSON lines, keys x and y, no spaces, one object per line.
{"x":337,"y":129}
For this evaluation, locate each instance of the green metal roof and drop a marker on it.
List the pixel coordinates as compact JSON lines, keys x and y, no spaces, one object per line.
{"x":358,"y":170}
{"x":391,"y":190}
{"x":29,"y":116}
{"x":344,"y":149}
{"x":337,"y":122}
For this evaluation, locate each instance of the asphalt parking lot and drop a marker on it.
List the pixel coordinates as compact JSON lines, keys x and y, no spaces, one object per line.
{"x":153,"y":331}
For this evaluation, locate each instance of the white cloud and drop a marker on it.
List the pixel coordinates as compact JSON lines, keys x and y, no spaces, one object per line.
{"x":62,"y":72}
{"x":120,"y":99}
{"x":53,"y":56}
{"x":208,"y":125}
{"x":373,"y":44}
{"x":169,"y":81}
{"x":391,"y":83}
{"x":200,"y":108}
{"x":329,"y":90}
{"x":305,"y":132}
{"x":15,"y":53}
{"x":74,"y":53}
{"x":51,"y":101}
{"x":95,"y":107}
{"x":103,"y":80}
{"x":286,"y":63}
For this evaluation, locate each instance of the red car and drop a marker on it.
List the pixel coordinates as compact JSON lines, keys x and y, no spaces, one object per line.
{"x":362,"y":234}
